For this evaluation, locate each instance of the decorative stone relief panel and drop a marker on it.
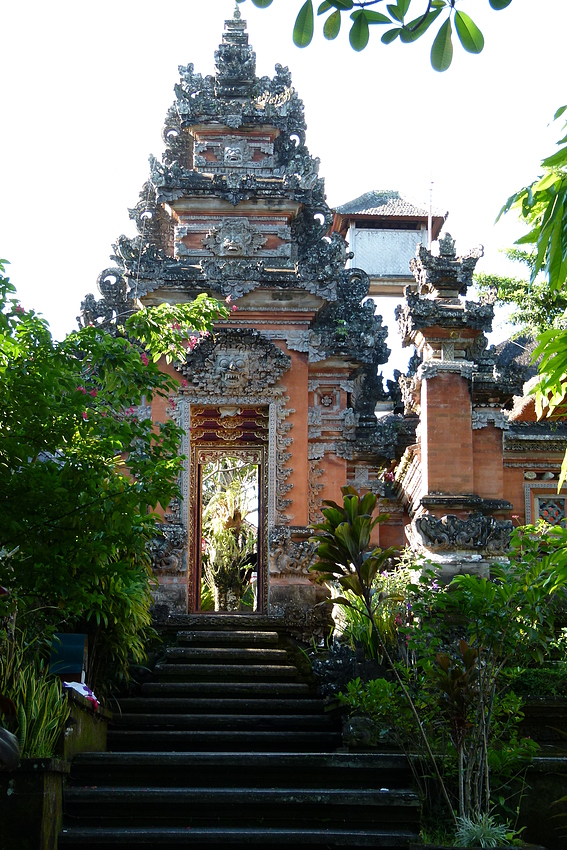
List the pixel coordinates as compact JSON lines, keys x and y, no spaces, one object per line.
{"x":242,"y":367}
{"x":477,"y":532}
{"x":291,"y":557}
{"x":314,"y":487}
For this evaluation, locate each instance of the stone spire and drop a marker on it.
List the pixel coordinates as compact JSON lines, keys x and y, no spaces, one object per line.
{"x":235,"y":60}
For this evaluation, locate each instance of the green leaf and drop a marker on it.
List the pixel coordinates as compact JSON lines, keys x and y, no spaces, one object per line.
{"x":395,"y":12}
{"x":559,"y":112}
{"x":262,"y":4}
{"x":324,"y":7}
{"x":346,"y":5}
{"x":371,"y":17}
{"x":499,"y":4}
{"x":391,"y":35}
{"x":442,"y":48}
{"x":411,"y":31}
{"x":303,"y":29}
{"x":332,"y":25}
{"x":403,"y":6}
{"x":359,"y":34}
{"x":469,"y":34}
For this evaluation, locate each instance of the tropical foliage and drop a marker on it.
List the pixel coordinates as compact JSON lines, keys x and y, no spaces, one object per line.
{"x":447,"y":699}
{"x":82,"y":471}
{"x":404,"y":20}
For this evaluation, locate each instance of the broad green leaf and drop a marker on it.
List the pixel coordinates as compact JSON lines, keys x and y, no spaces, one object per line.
{"x":499,"y":4}
{"x":332,"y":25}
{"x":395,"y":12}
{"x":414,"y":29}
{"x":391,"y":35}
{"x":346,"y":5}
{"x":442,"y":48}
{"x":371,"y":17}
{"x":324,"y":7}
{"x":559,"y":112}
{"x":303,"y":29}
{"x":469,"y":34}
{"x":403,"y":6}
{"x":359,"y":34}
{"x":262,"y":4}
{"x":556,"y":160}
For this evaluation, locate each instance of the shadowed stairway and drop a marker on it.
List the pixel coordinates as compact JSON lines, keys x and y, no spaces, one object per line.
{"x":228,"y":746}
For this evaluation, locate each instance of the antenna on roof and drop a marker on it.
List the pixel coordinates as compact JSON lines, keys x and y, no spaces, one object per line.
{"x":430,"y":216}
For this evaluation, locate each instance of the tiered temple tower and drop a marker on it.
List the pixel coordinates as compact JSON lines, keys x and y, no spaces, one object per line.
{"x":236,"y":208}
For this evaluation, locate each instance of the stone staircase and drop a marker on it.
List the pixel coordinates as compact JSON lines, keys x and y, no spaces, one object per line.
{"x":227,"y":745}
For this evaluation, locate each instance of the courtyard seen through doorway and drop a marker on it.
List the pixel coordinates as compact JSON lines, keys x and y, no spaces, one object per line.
{"x":229,"y":512}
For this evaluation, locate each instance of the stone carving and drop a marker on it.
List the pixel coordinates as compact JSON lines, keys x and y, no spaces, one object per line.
{"x":168,"y":552}
{"x":481,"y":417}
{"x":291,"y":557}
{"x":234,"y":237}
{"x":418,"y":313}
{"x":152,"y":222}
{"x":115,"y":305}
{"x":445,"y":276}
{"x":231,"y":367}
{"x":236,"y":153}
{"x":476,"y":532}
{"x":314,"y":488}
{"x":240,"y":359}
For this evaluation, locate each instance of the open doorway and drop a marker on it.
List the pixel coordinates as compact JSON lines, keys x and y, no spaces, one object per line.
{"x":229,"y":533}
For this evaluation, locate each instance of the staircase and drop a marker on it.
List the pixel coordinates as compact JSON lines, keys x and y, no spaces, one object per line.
{"x":228,"y":746}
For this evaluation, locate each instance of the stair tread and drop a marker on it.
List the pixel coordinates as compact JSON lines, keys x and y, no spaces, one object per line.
{"x":229,"y":637}
{"x":248,"y":704}
{"x":242,"y":835}
{"x":245,"y":653}
{"x":341,"y":796}
{"x":225,"y":687}
{"x":352,"y":761}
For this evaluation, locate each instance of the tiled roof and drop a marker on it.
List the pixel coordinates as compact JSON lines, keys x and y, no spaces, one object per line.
{"x":386,"y":202}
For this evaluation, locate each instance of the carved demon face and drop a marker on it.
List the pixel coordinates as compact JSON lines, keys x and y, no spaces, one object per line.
{"x":234,"y":238}
{"x":233,"y":155}
{"x":231,"y":367}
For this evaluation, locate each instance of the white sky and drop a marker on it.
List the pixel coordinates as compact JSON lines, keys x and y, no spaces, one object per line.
{"x":84,"y":89}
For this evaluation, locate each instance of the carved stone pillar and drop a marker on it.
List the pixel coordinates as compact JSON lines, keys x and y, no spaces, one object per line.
{"x":455,"y":498}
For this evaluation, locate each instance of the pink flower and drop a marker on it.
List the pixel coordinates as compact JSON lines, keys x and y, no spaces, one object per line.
{"x":103,"y":413}
{"x":176,"y":327}
{"x":228,"y":299}
{"x":183,"y":383}
{"x":20,"y":309}
{"x":234,"y":308}
{"x":81,"y":390}
{"x":85,"y":415}
{"x":94,"y":393}
{"x":130,"y":410}
{"x":144,"y":358}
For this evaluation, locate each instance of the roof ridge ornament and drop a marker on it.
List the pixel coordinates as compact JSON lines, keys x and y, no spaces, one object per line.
{"x":237,"y":15}
{"x":235,"y":61}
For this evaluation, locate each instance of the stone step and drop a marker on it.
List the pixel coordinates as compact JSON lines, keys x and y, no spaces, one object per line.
{"x":233,"y":638}
{"x":228,"y":740}
{"x":225,"y":689}
{"x":244,"y":704}
{"x":218,"y":622}
{"x":242,"y":769}
{"x":242,"y":721}
{"x":262,"y":796}
{"x":225,"y":655}
{"x":223,"y":672}
{"x":242,"y":837}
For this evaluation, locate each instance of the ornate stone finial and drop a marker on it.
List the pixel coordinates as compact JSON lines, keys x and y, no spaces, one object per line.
{"x":446,"y":276}
{"x":235,"y":60}
{"x":447,"y":246}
